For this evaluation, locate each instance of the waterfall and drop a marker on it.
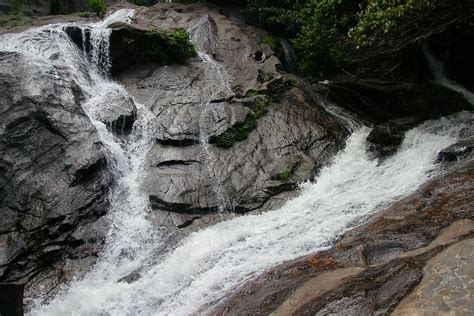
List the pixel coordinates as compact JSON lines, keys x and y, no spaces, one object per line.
{"x":211,"y":263}
{"x":100,"y":53}
{"x":290,"y":61}
{"x":439,"y":74}
{"x":130,"y":232}
{"x":218,"y":88}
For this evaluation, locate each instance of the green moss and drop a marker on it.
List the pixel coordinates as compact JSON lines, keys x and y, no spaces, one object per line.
{"x":15,"y":19}
{"x":265,"y":76}
{"x":284,"y":174}
{"x":169,"y":46}
{"x":99,"y":6}
{"x":240,"y":132}
{"x":269,"y":40}
{"x":84,"y":14}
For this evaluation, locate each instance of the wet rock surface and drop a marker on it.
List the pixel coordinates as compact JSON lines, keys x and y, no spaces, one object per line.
{"x":458,"y":151}
{"x":118,"y":113}
{"x":380,"y":101}
{"x":385,"y":138}
{"x":199,"y":101}
{"x":53,"y":175}
{"x":399,"y":262}
{"x":394,"y":108}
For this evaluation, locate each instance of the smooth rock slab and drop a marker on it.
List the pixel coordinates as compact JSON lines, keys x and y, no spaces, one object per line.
{"x":52,"y":167}
{"x":447,"y":284}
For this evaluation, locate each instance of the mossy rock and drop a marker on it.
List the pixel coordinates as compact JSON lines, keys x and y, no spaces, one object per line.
{"x":131,"y":44}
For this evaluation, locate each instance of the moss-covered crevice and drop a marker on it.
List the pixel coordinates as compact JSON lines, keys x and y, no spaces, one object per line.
{"x":241,"y":131}
{"x":131,"y":45}
{"x":257,"y":109}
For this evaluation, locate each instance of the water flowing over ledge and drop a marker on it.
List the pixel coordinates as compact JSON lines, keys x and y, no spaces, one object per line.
{"x":209,"y":264}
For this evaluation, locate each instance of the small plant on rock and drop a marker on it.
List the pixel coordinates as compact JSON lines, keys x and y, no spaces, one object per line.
{"x":98,"y":6}
{"x":284,"y":174}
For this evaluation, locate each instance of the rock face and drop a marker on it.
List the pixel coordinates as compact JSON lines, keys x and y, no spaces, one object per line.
{"x":458,"y":151}
{"x":401,"y":262}
{"x":52,"y":168}
{"x":118,"y":112}
{"x":220,"y":93}
{"x":385,"y":138}
{"x":394,"y":108}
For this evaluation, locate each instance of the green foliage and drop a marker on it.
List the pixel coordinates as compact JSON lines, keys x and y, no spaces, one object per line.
{"x":17,"y":5}
{"x":379,"y":17}
{"x":264,"y":76}
{"x":284,"y":174}
{"x":269,"y":40}
{"x":98,"y":6}
{"x":179,"y":38}
{"x":14,"y":19}
{"x":84,"y":14}
{"x":281,"y":17}
{"x":319,"y":43}
{"x":240,"y":132}
{"x":169,"y":45}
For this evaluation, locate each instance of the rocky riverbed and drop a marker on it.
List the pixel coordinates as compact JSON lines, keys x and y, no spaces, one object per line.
{"x":232,"y":133}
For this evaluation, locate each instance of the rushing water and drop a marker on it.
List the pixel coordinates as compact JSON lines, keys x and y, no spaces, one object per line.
{"x":439,"y":73}
{"x":211,"y":263}
{"x":289,"y":55}
{"x":218,"y":87}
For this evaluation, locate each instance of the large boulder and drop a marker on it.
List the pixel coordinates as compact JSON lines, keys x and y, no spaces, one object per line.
{"x":394,"y":108}
{"x":379,"y":102}
{"x":232,"y":131}
{"x":118,"y":111}
{"x":52,"y":168}
{"x":384,"y":139}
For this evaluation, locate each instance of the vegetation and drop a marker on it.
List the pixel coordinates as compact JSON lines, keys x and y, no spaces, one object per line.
{"x":358,"y":37}
{"x":269,"y":40}
{"x":15,"y":19}
{"x":284,"y":174}
{"x":17,"y":5}
{"x":98,"y":6}
{"x":152,"y":2}
{"x":84,"y":14}
{"x":241,"y":131}
{"x":165,"y":45}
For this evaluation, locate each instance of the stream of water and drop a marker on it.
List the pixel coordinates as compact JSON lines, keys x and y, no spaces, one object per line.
{"x":211,"y":263}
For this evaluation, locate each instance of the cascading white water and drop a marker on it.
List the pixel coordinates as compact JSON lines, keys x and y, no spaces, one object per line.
{"x":438,"y":71}
{"x":50,"y":49}
{"x":218,"y":87}
{"x":211,"y":263}
{"x":100,"y":54}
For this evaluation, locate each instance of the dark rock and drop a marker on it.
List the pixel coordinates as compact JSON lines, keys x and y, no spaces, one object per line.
{"x":456,"y":152}
{"x":385,"y":138}
{"x":455,"y":48}
{"x":293,"y":135}
{"x":379,"y":102}
{"x":68,"y":6}
{"x":11,"y":299}
{"x":134,"y":44}
{"x":80,"y":37}
{"x":118,"y":112}
{"x":53,"y":178}
{"x":198,"y":102}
